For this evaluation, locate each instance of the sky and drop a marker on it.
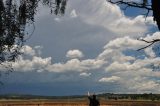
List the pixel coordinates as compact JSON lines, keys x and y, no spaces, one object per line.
{"x":93,"y":47}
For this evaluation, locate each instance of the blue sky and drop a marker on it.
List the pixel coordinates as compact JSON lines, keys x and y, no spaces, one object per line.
{"x":90,"y":48}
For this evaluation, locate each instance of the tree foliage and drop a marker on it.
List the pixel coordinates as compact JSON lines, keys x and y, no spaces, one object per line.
{"x":14,"y":16}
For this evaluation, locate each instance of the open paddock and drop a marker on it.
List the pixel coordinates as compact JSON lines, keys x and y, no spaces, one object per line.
{"x":75,"y":103}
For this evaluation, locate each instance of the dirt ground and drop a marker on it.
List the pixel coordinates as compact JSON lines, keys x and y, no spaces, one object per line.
{"x":75,"y":103}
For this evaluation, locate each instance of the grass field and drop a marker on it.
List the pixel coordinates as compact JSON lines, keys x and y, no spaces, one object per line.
{"x":75,"y":103}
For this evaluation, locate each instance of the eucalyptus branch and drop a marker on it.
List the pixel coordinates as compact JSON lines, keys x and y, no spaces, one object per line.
{"x":150,"y":43}
{"x":132,"y":4}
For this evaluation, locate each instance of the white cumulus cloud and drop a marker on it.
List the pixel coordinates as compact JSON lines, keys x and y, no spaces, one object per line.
{"x":85,"y":74}
{"x":74,"y":54}
{"x":110,"y":79}
{"x":73,"y":14}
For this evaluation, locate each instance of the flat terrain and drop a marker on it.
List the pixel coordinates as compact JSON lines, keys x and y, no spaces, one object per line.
{"x":75,"y":103}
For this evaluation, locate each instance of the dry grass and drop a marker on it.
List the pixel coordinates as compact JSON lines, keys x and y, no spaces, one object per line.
{"x":75,"y":103}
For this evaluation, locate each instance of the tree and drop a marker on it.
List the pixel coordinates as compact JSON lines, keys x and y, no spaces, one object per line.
{"x":148,"y":5}
{"x":14,"y":16}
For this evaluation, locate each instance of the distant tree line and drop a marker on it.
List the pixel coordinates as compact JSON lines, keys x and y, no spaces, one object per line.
{"x":145,"y":96}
